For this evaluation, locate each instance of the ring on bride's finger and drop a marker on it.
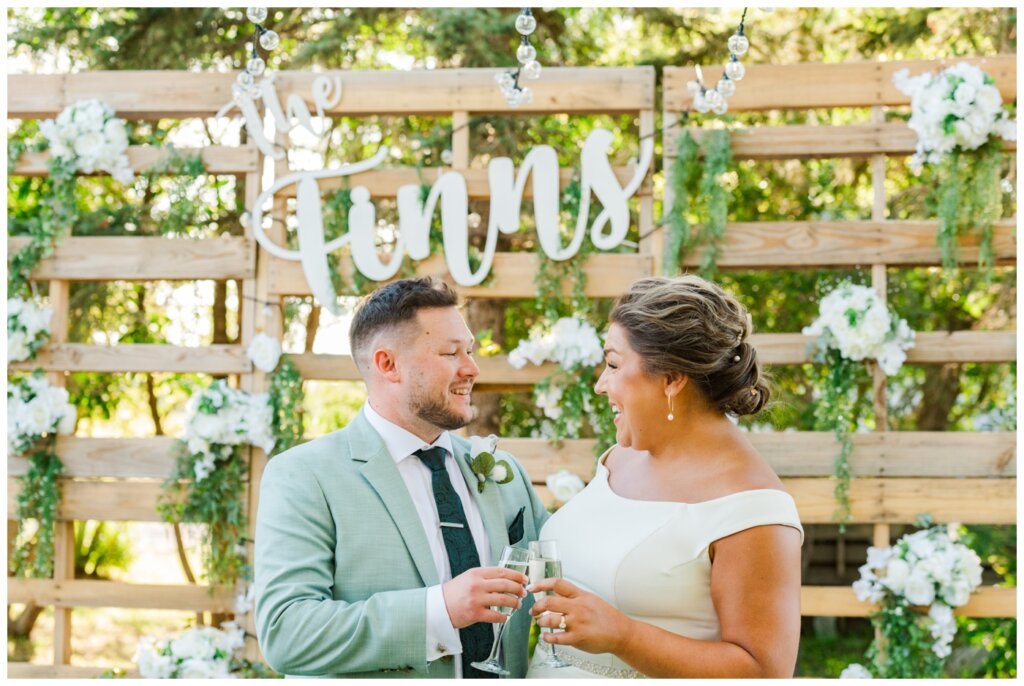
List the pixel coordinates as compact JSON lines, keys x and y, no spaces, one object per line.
{"x":561,"y":623}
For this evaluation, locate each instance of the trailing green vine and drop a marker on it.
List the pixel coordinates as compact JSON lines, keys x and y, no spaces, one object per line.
{"x":286,"y":405}
{"x":968,"y":199}
{"x":38,"y":499}
{"x":837,"y":411}
{"x":697,"y":190}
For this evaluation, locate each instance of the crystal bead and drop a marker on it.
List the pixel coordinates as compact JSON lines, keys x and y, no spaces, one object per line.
{"x":735,"y":70}
{"x":713,"y":98}
{"x":239,"y":91}
{"x":526,"y":24}
{"x":726,"y":87}
{"x":525,"y":96}
{"x":720,"y":107}
{"x":512,"y":98}
{"x":255,"y":91}
{"x":701,"y":104}
{"x":506,"y":80}
{"x":245,"y":79}
{"x":526,"y":53}
{"x":257,"y":15}
{"x":531,"y":70}
{"x":269,"y":40}
{"x":738,"y":44}
{"x":447,"y":156}
{"x":694,"y":87}
{"x":256,"y":66}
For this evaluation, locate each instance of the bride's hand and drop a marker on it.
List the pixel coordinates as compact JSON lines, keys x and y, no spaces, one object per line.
{"x":591,"y":624}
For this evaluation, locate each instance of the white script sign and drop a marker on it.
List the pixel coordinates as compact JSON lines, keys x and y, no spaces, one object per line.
{"x":506,"y":191}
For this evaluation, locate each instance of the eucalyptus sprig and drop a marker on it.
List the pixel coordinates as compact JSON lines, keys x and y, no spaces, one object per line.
{"x":286,"y":405}
{"x":697,"y":190}
{"x":216,"y":501}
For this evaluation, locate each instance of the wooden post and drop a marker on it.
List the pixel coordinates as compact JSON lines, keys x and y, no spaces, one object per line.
{"x":652,"y":242}
{"x":460,"y":162}
{"x":64,"y":535}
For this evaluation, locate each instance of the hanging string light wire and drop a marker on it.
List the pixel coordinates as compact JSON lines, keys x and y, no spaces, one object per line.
{"x":714,"y":99}
{"x":529,"y":67}
{"x":248,"y":82}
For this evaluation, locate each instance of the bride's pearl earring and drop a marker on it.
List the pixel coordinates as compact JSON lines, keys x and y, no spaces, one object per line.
{"x":671,"y":407}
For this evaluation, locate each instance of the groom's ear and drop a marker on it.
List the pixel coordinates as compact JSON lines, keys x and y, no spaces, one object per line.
{"x":384,"y":364}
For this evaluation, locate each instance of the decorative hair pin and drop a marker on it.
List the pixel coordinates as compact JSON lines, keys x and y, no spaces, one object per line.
{"x":736,"y":358}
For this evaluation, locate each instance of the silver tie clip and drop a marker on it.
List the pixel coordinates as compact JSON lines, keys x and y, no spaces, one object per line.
{"x":453,"y":525}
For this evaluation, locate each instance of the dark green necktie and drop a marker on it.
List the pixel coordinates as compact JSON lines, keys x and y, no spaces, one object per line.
{"x":458,"y":541}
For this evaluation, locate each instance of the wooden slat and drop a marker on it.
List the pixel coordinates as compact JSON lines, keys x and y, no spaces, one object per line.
{"x":816,"y":84}
{"x":384,"y":183}
{"x":813,"y":142}
{"x":106,"y":258}
{"x":139,"y":357}
{"x":932,"y":347}
{"x":92,"y":593}
{"x":971,"y":501}
{"x":809,"y":453}
{"x":219,"y":159}
{"x":801,"y":453}
{"x":899,"y":501}
{"x":25,"y":670}
{"x":145,"y":458}
{"x":177,"y":94}
{"x":789,"y":245}
{"x":609,"y":275}
{"x":841,"y":601}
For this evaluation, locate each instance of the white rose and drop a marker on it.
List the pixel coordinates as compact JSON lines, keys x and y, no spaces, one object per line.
{"x":896,"y":573}
{"x":151,"y":665}
{"x":921,"y":544}
{"x":956,"y":594}
{"x":87,"y":147}
{"x":482,"y":444}
{"x":855,"y":671}
{"x":192,"y":645}
{"x":197,"y":669}
{"x":919,"y":589}
{"x":942,"y":649}
{"x":116,"y":135}
{"x":264,"y":351}
{"x":499,"y":473}
{"x":564,"y":485}
{"x":878,"y":557}
{"x":17,"y":347}
{"x":941,"y":615}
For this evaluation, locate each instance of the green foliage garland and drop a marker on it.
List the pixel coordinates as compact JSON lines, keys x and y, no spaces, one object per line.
{"x":216,"y":501}
{"x":286,"y":405}
{"x":697,"y":189}
{"x":968,"y":198}
{"x":836,"y":411}
{"x":38,"y":499}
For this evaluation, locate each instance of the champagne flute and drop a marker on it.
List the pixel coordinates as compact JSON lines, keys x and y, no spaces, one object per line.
{"x":546,"y":564}
{"x":519,"y":560}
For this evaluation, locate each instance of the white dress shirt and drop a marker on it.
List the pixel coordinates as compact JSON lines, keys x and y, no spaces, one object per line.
{"x":442,"y":637}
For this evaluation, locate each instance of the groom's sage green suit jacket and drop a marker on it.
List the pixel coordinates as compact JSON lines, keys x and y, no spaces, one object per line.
{"x":343,"y":563}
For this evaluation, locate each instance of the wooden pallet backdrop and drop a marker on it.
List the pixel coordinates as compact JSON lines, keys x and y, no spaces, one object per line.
{"x":898,"y":475}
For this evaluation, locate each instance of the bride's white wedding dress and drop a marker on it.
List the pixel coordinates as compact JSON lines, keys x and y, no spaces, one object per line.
{"x":649,"y":559}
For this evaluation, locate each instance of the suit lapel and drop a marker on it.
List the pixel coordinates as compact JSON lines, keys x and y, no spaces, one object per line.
{"x":380,"y":470}
{"x":489,"y":502}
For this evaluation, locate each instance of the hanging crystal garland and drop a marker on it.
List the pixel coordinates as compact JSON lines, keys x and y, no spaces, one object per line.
{"x":248,"y":82}
{"x":714,"y":99}
{"x":529,"y":67}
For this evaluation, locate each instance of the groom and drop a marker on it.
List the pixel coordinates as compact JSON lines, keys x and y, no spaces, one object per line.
{"x":375,"y":550}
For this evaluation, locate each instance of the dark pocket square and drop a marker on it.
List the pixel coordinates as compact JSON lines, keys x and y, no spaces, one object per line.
{"x":515,"y":529}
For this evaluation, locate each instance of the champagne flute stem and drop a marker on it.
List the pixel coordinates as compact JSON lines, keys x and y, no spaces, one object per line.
{"x":497,"y":642}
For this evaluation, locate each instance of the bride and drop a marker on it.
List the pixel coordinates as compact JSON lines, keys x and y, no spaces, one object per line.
{"x":682,"y":556}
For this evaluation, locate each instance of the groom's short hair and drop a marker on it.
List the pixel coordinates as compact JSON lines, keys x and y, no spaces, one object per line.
{"x":392,"y":306}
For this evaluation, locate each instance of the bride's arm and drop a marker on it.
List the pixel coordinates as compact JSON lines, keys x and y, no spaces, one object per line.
{"x":755,"y":587}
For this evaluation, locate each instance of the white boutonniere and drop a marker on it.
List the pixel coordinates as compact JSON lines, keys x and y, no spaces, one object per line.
{"x":483,"y":463}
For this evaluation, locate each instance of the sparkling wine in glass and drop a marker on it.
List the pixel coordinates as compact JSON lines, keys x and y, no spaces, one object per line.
{"x":519,"y":560}
{"x":546,"y":564}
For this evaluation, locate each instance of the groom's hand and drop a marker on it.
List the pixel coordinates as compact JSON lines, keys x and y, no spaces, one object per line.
{"x":470,"y":596}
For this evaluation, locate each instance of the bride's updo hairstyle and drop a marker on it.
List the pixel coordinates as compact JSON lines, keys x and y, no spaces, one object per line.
{"x":686,"y":325}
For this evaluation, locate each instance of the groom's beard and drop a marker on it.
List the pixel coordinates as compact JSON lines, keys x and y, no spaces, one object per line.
{"x":436,"y":412}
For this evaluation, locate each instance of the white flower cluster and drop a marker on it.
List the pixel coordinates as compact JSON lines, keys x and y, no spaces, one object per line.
{"x":36,"y":409}
{"x":571,"y":342}
{"x":222,"y":416}
{"x":958,"y":107}
{"x":89,"y":135}
{"x":855,"y":321}
{"x":928,"y":567}
{"x":563,"y":484}
{"x":200,"y":653}
{"x":855,"y":671}
{"x":264,"y":351}
{"x":28,"y":328}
